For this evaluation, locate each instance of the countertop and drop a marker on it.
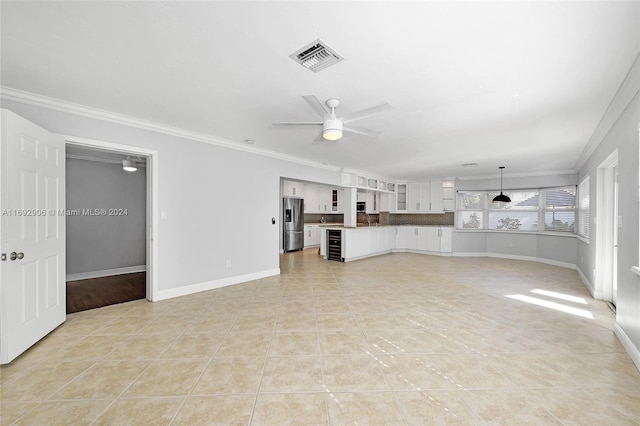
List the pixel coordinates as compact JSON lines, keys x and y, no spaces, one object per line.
{"x":373,"y":225}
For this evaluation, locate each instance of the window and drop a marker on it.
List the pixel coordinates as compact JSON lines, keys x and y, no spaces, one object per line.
{"x":559,"y":209}
{"x":583,"y":208}
{"x":521,"y":214}
{"x":544,"y":210}
{"x":471,"y":210}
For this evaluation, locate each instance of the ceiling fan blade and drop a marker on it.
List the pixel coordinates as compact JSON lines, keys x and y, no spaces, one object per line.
{"x":361,"y":131}
{"x":364,"y":113}
{"x":317,"y":106}
{"x":298,"y":123}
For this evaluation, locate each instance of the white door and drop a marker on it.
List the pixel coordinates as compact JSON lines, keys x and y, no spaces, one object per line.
{"x":32,"y":286}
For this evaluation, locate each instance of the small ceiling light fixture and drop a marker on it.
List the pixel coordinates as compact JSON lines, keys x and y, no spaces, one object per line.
{"x":249,"y":141}
{"x":129,"y":165}
{"x":332,"y":129}
{"x":501,"y":198}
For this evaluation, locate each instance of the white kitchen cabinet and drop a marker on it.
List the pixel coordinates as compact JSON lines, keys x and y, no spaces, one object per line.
{"x":400,"y":204}
{"x":386,"y":201}
{"x":367,"y":241}
{"x":426,"y":196}
{"x":418,"y":196}
{"x":448,"y":195}
{"x":310,"y":199}
{"x":418,"y":238}
{"x":311,"y":235}
{"x":324,"y":200}
{"x":317,"y":199}
{"x":373,"y":202}
{"x":336,"y":201}
{"x":433,"y":239}
{"x":293,"y":189}
{"x":428,"y":238}
{"x":435,"y":196}
{"x":446,"y":240}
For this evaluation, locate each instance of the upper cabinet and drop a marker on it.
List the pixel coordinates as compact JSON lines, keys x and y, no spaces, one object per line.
{"x":293,"y":189}
{"x":432,"y":196}
{"x":322,"y":199}
{"x":448,"y":195}
{"x":401,"y":197}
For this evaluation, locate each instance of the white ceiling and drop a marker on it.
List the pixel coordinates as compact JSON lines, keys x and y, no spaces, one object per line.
{"x":520,"y":84}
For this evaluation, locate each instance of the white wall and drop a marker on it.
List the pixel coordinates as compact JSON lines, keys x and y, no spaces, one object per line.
{"x":219,"y":202}
{"x":99,"y":243}
{"x":619,"y":130}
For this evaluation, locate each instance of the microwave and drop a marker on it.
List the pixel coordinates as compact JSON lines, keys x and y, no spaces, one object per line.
{"x":361,"y":206}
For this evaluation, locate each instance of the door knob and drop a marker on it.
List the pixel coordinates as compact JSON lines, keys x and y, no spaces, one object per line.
{"x":14,"y":255}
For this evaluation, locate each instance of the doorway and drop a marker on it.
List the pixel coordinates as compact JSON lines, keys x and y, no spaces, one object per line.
{"x":607,"y":230}
{"x":105,"y":227}
{"x":150,"y":159}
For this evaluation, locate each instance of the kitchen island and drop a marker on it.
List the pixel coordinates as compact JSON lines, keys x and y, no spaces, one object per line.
{"x":366,"y":241}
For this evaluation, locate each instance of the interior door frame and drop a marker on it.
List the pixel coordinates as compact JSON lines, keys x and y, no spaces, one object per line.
{"x":606,"y":224}
{"x":152,"y":201}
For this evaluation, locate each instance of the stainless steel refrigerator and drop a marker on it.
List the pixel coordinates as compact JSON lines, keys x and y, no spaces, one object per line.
{"x":293,"y":223}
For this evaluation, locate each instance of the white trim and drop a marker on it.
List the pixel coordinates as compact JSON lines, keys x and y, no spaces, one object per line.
{"x":97,"y":114}
{"x":379,"y":253}
{"x":497,"y":231}
{"x":635,"y":270}
{"x":520,"y":174}
{"x":152,"y":206}
{"x":211,"y":285}
{"x":632,"y":350}
{"x":516,"y":257}
{"x":106,"y":273}
{"x":432,"y":253}
{"x":595,"y":294}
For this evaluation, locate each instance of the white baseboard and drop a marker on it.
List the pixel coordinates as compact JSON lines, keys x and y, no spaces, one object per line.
{"x":516,"y":257}
{"x":106,"y":273}
{"x":468,"y":254}
{"x":432,"y":253}
{"x":631,"y":349}
{"x":589,"y":286}
{"x":351,"y":259}
{"x":210,"y":285}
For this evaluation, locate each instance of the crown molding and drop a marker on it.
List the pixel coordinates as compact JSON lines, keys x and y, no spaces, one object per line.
{"x":625,"y":94}
{"x":522,"y":174}
{"x":41,"y":101}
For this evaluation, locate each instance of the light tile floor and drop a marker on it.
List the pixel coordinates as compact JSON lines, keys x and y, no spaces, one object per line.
{"x":396,"y":339}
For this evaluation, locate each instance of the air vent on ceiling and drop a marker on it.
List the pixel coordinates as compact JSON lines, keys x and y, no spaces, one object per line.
{"x":316,"y":56}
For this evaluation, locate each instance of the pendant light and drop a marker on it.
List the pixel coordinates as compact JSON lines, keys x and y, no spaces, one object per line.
{"x":501,"y":198}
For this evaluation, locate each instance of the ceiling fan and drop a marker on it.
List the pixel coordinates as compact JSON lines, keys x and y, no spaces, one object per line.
{"x":333,"y":126}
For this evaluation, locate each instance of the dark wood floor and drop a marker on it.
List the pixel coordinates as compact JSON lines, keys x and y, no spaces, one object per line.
{"x":103,"y":291}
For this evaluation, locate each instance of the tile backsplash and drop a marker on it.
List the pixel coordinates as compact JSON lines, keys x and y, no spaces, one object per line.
{"x":446,"y":219}
{"x":329,"y":218}
{"x":386,"y":218}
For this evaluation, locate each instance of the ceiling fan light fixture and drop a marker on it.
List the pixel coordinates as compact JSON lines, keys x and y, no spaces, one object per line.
{"x":129,"y":165}
{"x":501,"y":198}
{"x":332,"y":129}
